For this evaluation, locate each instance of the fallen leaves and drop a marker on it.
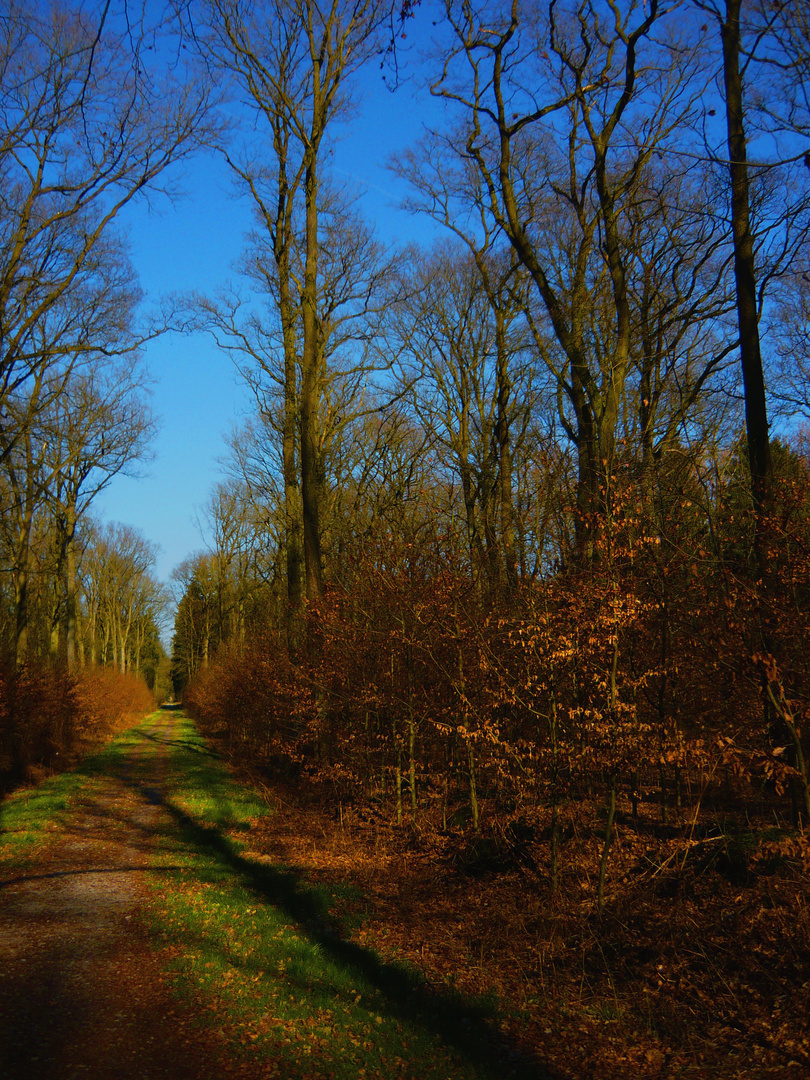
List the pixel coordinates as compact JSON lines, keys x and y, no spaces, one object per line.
{"x":704,"y":984}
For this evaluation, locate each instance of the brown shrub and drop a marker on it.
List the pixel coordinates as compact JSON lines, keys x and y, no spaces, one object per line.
{"x":48,"y":716}
{"x":255,"y":697}
{"x":108,"y":702}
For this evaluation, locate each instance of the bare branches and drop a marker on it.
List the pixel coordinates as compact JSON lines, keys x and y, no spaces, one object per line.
{"x":81,"y":136}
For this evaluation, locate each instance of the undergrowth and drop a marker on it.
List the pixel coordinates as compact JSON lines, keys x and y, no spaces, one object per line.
{"x":50,"y":718}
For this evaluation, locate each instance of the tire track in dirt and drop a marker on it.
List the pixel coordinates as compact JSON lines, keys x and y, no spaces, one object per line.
{"x":82,"y":993}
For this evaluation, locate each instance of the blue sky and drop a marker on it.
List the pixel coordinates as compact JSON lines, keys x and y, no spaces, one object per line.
{"x":191,"y":246}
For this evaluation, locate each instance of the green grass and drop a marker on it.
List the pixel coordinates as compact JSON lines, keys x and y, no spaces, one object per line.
{"x":261,"y":952}
{"x":30,"y":818}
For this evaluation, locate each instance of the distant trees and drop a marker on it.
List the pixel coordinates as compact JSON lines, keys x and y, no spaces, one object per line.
{"x":123,"y":605}
{"x":222,"y":598}
{"x":118,"y":611}
{"x":462,"y":344}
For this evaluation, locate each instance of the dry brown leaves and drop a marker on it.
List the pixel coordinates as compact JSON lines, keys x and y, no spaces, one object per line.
{"x":699,"y":968}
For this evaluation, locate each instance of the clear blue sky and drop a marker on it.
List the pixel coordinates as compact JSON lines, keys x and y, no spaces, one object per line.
{"x":192,"y":245}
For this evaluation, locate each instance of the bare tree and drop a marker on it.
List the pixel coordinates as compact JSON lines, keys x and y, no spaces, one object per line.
{"x":84,"y":132}
{"x":99,"y":427}
{"x":462,"y":345}
{"x":356,"y":284}
{"x":790,"y":329}
{"x":197,"y":582}
{"x":756,"y":411}
{"x":120,"y":594}
{"x":288,"y":62}
{"x":450,"y":189}
{"x":78,"y":420}
{"x":762,"y":56}
{"x":563,"y":116}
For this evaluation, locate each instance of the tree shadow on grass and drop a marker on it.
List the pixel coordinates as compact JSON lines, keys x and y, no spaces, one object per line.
{"x":184,"y":744}
{"x":464,"y":1026}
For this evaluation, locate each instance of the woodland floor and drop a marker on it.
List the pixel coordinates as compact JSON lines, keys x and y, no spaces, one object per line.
{"x":699,"y":967}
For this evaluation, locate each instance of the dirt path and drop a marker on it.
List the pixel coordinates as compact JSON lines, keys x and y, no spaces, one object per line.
{"x":81,"y":991}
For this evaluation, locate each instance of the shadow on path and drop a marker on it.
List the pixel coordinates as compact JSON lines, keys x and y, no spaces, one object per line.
{"x":82,"y":991}
{"x":61,"y":874}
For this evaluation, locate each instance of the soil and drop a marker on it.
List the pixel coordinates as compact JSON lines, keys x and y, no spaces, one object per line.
{"x":82,"y":990}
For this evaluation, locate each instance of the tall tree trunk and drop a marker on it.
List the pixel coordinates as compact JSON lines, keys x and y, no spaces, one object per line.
{"x":70,"y":588}
{"x":476,"y":548}
{"x":282,"y":231}
{"x":139,"y":636}
{"x":206,"y":636}
{"x":310,"y":487}
{"x":21,"y":611}
{"x":21,"y":581}
{"x":504,"y":452}
{"x":292,"y":493}
{"x":756,"y":412}
{"x":22,"y":489}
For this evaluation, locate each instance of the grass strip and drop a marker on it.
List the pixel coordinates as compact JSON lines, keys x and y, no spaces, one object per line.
{"x":29,"y":818}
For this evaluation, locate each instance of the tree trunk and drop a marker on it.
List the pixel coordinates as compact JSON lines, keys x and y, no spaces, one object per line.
{"x":21,"y":611}
{"x":756,"y":412}
{"x":24,"y":512}
{"x":70,"y":589}
{"x":289,"y":435}
{"x":504,"y":452}
{"x":310,"y":393}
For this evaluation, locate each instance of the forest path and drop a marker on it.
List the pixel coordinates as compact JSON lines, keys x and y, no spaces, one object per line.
{"x":82,"y":990}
